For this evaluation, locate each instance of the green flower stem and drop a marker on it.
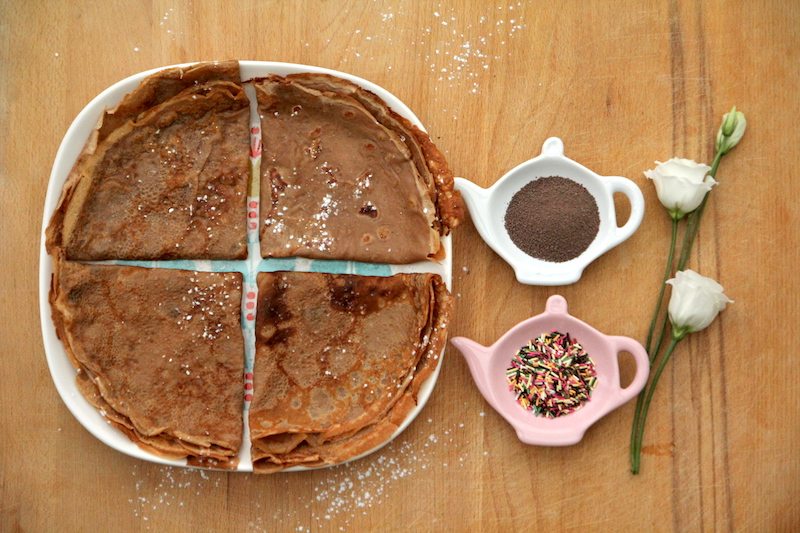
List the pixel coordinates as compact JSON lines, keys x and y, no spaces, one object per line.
{"x":652,"y":353}
{"x":636,"y":447}
{"x":693,"y":225}
{"x":637,"y":421}
{"x":667,"y":272}
{"x":661,"y":329}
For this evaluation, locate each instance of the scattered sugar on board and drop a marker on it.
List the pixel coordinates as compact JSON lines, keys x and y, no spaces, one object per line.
{"x":166,"y":20}
{"x":462,"y":42}
{"x":168,"y":487}
{"x":345,"y":492}
{"x":353,"y":489}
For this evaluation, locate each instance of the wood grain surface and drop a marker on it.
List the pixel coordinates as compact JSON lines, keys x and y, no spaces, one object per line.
{"x":623,"y":84}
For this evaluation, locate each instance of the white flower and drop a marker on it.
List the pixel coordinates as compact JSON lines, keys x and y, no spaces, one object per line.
{"x":681,"y":185}
{"x":731,"y":131}
{"x":695,"y":302}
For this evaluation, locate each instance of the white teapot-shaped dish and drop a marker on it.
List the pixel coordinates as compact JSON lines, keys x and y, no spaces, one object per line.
{"x":488,"y":207}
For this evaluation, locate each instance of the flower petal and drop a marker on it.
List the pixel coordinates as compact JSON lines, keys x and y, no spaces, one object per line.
{"x":694,"y":172}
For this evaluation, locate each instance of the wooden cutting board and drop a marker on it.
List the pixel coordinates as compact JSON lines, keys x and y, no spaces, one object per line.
{"x":623,"y":85}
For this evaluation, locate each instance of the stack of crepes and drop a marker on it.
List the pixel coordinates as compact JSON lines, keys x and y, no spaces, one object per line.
{"x":164,"y":175}
{"x":160,"y":351}
{"x":339,"y":362}
{"x":345,"y":177}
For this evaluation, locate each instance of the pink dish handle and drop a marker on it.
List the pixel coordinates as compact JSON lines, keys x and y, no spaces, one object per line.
{"x":626,"y":344}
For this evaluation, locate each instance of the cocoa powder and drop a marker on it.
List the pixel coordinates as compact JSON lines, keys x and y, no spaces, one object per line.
{"x":553,"y":219}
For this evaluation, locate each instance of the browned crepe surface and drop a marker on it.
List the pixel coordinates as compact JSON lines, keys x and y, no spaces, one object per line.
{"x":339,"y":362}
{"x":159,"y":352}
{"x":430,"y":162}
{"x":165,"y":174}
{"x":344,"y":177}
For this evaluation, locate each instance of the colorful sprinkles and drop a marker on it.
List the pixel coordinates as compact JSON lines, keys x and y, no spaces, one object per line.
{"x":552,"y":376}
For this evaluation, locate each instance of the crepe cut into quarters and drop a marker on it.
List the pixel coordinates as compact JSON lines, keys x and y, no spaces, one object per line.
{"x":151,"y":264}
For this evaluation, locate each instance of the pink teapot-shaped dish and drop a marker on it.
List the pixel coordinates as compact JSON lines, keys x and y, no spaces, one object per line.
{"x":488,"y":366}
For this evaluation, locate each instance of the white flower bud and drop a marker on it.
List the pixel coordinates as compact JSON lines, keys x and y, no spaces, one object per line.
{"x":731,"y":131}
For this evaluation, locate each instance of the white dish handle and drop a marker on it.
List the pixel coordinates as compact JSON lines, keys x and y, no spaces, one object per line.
{"x":636,"y":199}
